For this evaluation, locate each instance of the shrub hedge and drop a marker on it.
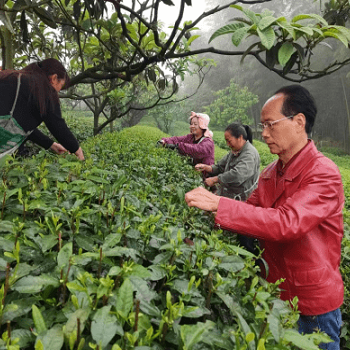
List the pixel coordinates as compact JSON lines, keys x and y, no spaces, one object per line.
{"x":105,"y":254}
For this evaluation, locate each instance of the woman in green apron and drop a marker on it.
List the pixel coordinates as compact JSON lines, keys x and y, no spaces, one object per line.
{"x":29,"y":97}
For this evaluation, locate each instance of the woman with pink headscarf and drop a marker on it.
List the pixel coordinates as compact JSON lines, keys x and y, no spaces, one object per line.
{"x":199,"y":144}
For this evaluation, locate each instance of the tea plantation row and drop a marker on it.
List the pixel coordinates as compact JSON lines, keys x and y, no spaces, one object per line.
{"x":105,"y":254}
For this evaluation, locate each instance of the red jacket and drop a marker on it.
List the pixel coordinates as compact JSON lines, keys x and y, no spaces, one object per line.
{"x":202,"y":152}
{"x":300,"y":226}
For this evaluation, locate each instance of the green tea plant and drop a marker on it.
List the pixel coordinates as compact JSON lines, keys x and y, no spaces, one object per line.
{"x":80,"y":125}
{"x":219,"y":139}
{"x":105,"y":254}
{"x":345,"y":270}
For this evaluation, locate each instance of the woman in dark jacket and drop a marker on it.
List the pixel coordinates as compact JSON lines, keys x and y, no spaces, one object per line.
{"x":30,"y":97}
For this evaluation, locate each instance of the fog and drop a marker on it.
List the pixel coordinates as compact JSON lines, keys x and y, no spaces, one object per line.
{"x":332,"y":93}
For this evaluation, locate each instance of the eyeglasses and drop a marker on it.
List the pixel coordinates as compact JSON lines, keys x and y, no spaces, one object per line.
{"x":268,"y":124}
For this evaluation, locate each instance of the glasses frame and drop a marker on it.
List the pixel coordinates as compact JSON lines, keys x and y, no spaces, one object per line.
{"x":269,"y":124}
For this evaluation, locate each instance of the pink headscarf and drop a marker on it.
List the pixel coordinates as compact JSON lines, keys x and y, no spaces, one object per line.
{"x":203,"y":122}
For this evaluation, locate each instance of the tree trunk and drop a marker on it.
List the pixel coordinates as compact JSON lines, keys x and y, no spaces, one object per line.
{"x":112,"y":113}
{"x":346,"y":130}
{"x":96,"y":115}
{"x":6,"y":48}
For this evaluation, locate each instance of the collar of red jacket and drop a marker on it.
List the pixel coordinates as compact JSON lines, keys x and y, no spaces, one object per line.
{"x":294,"y":166}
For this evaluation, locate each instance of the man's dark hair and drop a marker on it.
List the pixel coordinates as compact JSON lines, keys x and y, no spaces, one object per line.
{"x":299,"y":100}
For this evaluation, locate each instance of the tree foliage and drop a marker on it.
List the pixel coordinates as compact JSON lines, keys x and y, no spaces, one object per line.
{"x":232,"y":104}
{"x":128,"y":40}
{"x":288,"y":45}
{"x":337,"y":12}
{"x":113,"y":43}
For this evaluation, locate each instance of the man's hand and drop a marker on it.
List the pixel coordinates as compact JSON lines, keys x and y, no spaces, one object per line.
{"x":58,"y":148}
{"x":202,"y":199}
{"x":203,"y":167}
{"x":210,"y":181}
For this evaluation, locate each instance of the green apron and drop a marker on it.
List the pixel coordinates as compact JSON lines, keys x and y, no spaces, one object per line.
{"x":11,"y":133}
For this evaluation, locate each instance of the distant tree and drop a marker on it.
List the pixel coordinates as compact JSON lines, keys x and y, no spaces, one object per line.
{"x":166,"y":115}
{"x":232,"y":104}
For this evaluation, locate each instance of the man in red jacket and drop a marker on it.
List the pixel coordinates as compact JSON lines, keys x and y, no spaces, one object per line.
{"x":296,"y":213}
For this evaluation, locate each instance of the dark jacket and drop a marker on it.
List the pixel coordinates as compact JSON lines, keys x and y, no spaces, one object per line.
{"x":28,"y":116}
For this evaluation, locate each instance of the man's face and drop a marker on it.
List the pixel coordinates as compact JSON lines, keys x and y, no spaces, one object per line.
{"x":281,"y":137}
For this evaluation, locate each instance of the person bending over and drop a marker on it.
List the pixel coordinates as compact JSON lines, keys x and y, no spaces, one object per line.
{"x":28,"y":98}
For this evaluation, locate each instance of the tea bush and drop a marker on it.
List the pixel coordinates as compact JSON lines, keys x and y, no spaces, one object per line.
{"x":104,"y":254}
{"x":219,"y":139}
{"x":80,"y":125}
{"x":345,"y":256}
{"x":345,"y":271}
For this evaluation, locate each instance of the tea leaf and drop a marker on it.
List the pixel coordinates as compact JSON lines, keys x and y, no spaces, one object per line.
{"x":64,"y":255}
{"x":195,"y":312}
{"x":111,"y":241}
{"x":6,"y":226}
{"x":6,"y":244}
{"x":46,"y":242}
{"x":143,"y":291}
{"x":52,"y":339}
{"x":76,"y":286}
{"x":84,"y":258}
{"x":192,"y":334}
{"x":38,"y":320}
{"x":39,"y":345}
{"x":275,"y":326}
{"x":298,"y":340}
{"x":25,"y":337}
{"x":114,"y":271}
{"x":105,"y":326}
{"x":72,"y":323}
{"x":16,"y":309}
{"x":35,"y":284}
{"x":157,"y":272}
{"x":125,"y":299}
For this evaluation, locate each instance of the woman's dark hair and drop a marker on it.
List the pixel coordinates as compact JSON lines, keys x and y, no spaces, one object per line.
{"x":238,"y":130}
{"x":38,"y":77}
{"x":297,"y":99}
